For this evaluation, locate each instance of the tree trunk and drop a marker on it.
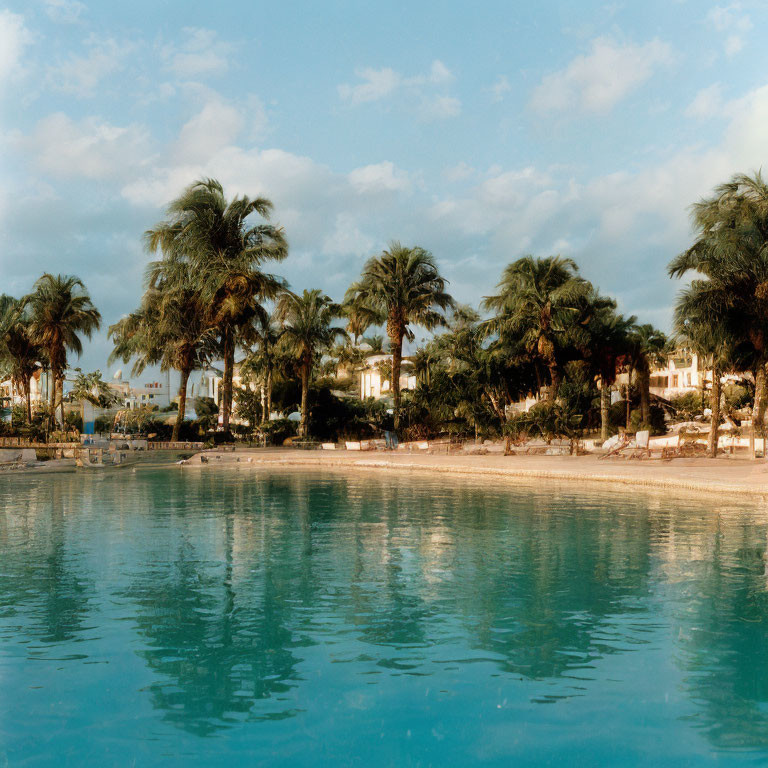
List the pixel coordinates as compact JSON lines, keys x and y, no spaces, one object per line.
{"x":52,"y":400}
{"x":628,"y":401}
{"x":28,"y":398}
{"x":497,"y":409}
{"x":396,"y":342}
{"x":263,"y":402}
{"x":229,"y":362}
{"x":605,"y":408}
{"x":758,"y":410}
{"x":269,"y":394}
{"x":61,"y":402}
{"x":644,"y":380}
{"x":182,"y":404}
{"x":304,"y":423}
{"x":715,"y":405}
{"x":554,"y":379}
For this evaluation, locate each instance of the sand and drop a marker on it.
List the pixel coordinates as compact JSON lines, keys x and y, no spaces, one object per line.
{"x":743,"y":477}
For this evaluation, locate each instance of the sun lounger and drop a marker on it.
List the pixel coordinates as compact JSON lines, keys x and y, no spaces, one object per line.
{"x":328,"y":446}
{"x":615,"y":445}
{"x":352,"y":445}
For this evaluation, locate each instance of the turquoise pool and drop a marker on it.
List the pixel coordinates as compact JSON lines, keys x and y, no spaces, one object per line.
{"x":175,"y":617}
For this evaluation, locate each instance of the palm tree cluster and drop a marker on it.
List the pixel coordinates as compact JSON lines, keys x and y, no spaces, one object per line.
{"x":545,"y":332}
{"x":723,"y":313}
{"x":40,"y":329}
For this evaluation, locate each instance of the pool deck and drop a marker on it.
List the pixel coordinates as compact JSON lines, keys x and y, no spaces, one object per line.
{"x":742,"y":477}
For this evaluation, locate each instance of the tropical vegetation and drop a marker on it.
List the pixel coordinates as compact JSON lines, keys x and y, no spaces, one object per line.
{"x":546,"y":336}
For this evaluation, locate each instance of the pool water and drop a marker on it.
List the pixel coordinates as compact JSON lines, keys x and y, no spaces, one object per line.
{"x":244,"y":617}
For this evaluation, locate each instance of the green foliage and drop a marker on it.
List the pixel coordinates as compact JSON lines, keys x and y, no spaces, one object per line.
{"x":248,"y":406}
{"x":141,"y":420}
{"x":578,"y":394}
{"x":278,"y":430}
{"x":93,"y":389}
{"x":547,"y":419}
{"x":657,"y":424}
{"x":60,"y":311}
{"x":103,"y":424}
{"x":401,"y":287}
{"x":207,"y":412}
{"x":73,"y":420}
{"x":224,"y":244}
{"x":688,"y":406}
{"x":736,"y":397}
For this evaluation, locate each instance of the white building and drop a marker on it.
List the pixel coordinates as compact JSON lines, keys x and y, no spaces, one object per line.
{"x":373,"y":383}
{"x":11,"y":396}
{"x":684,"y":372}
{"x":157,"y":393}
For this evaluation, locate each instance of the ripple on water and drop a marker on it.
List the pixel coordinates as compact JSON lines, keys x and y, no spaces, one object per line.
{"x":305,"y":618}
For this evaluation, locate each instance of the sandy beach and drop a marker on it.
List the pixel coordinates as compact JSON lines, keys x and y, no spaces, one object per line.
{"x":723,"y":476}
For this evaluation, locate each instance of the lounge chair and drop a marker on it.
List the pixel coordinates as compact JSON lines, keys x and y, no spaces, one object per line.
{"x":615,"y":445}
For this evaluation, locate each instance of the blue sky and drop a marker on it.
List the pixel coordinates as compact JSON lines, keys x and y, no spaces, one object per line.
{"x":479,"y":131}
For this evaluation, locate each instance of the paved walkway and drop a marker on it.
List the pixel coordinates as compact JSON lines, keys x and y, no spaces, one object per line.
{"x":740,"y":476}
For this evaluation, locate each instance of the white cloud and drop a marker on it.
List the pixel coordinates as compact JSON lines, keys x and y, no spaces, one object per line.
{"x":707,"y":103}
{"x":13,"y":38}
{"x":216,"y":126}
{"x":64,"y":11}
{"x":423,"y":89}
{"x":347,"y":238}
{"x":439,"y":74}
{"x":90,"y":148}
{"x":81,"y":75}
{"x":731,"y":21}
{"x":376,"y":84}
{"x":201,"y":53}
{"x":500,"y":88}
{"x":439,"y":107}
{"x":733,"y":45}
{"x":459,"y":172}
{"x":379,"y":177}
{"x":597,"y":81}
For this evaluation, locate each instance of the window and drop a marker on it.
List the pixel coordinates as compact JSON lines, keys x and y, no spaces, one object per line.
{"x":674,"y":380}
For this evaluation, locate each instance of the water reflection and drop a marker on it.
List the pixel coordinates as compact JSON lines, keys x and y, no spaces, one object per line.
{"x":251,"y":597}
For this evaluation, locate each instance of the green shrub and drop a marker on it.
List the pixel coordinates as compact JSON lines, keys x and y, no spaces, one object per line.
{"x":657,"y":424}
{"x":102,"y":424}
{"x":736,"y":397}
{"x":688,"y":406}
{"x":278,"y":430}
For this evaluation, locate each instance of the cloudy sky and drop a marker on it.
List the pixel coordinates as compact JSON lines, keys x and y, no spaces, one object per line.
{"x":481,"y":131}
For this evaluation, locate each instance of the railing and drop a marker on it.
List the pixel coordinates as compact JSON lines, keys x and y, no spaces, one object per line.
{"x":179,"y":445}
{"x":22,"y":442}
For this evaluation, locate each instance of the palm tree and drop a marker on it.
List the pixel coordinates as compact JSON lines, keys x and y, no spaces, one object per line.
{"x":93,"y":389}
{"x":222,"y":245}
{"x":696,"y":325}
{"x":730,"y":255}
{"x":19,"y":356}
{"x":60,"y":309}
{"x":307,"y":333}
{"x":649,"y":347}
{"x":170,"y":329}
{"x":538,"y":302}
{"x":264,"y":358}
{"x":610,"y":348}
{"x":375,"y":342}
{"x":357,"y":323}
{"x":401,"y":287}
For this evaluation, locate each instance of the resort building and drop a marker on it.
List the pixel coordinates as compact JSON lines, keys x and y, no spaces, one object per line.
{"x":685,"y":372}
{"x":155,"y":393}
{"x":11,"y":396}
{"x":373,"y":376}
